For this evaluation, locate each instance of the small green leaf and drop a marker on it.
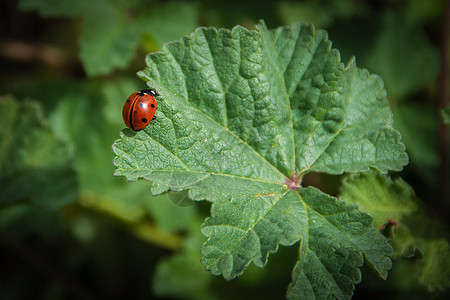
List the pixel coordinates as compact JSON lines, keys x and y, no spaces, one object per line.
{"x":379,"y":196}
{"x":242,"y":116}
{"x":393,"y":204}
{"x":35,"y":166}
{"x":433,"y":270}
{"x":108,"y":42}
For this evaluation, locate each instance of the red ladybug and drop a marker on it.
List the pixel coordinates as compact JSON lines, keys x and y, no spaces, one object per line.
{"x":139,"y":109}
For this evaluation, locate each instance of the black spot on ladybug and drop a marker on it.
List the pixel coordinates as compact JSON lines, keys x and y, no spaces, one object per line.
{"x":144,"y":120}
{"x":153,"y":105}
{"x":128,"y":101}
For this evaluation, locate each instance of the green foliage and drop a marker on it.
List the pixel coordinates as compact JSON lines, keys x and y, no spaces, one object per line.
{"x":446,"y":115}
{"x":119,"y":241}
{"x":395,"y":207}
{"x":396,"y":49}
{"x":402,"y":56}
{"x":22,"y":219}
{"x":320,"y":13}
{"x":379,"y":196}
{"x":418,"y":10}
{"x":75,"y":108}
{"x":181,"y":275}
{"x":168,"y":215}
{"x":112,"y":29}
{"x":399,"y":50}
{"x":243,"y":115}
{"x":419,"y":136}
{"x":31,"y":157}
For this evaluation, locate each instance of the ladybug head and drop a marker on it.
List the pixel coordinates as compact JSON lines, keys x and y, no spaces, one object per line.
{"x":150,"y":92}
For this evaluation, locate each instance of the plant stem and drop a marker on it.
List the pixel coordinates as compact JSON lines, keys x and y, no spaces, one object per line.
{"x":144,"y":230}
{"x":443,"y":102}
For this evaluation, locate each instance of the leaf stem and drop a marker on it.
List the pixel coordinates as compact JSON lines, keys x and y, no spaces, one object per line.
{"x":142,"y":229}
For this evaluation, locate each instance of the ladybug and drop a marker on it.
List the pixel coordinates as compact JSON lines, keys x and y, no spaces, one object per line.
{"x":139,"y":109}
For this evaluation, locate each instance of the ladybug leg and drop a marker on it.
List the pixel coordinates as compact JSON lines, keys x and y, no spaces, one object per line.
{"x":154,"y":118}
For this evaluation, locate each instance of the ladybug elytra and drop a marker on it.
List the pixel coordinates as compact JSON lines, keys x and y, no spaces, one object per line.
{"x":139,"y":109}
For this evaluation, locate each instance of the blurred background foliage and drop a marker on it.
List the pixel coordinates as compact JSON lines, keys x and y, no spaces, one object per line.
{"x":70,"y":229}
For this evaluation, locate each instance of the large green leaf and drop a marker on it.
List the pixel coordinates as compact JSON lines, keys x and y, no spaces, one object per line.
{"x":35,"y":165}
{"x":242,"y":116}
